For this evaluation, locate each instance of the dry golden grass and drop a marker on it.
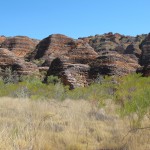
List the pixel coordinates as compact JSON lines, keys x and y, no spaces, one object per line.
{"x":68,"y":125}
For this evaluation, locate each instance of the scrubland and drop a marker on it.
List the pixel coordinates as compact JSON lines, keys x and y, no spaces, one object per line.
{"x":67,"y":125}
{"x":111,"y":114}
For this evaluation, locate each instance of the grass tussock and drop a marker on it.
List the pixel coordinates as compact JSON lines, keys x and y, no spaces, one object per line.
{"x":67,"y":125}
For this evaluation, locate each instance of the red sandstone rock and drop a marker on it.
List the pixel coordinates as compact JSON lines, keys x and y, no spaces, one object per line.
{"x":74,"y":75}
{"x":21,"y":46}
{"x":77,"y":62}
{"x":113,"y":63}
{"x":60,"y":46}
{"x":120,"y":43}
{"x":9,"y":59}
{"x":2,"y":39}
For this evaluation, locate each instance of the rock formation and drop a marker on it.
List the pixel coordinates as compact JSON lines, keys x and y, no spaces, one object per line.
{"x":74,"y":75}
{"x":145,"y":56}
{"x":120,"y":43}
{"x":77,"y":62}
{"x":2,"y":39}
{"x":21,"y":46}
{"x":9,"y":60}
{"x":112,"y":63}
{"x":60,"y":46}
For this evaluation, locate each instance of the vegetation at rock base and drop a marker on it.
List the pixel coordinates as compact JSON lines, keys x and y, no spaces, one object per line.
{"x":111,"y":113}
{"x":133,"y":93}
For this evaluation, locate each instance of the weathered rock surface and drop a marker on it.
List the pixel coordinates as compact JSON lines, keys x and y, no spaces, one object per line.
{"x":113,"y":63}
{"x":145,"y":56}
{"x":21,"y":46}
{"x":53,"y":46}
{"x":145,"y":46}
{"x":74,"y":75}
{"x":77,"y":62}
{"x":145,"y":70}
{"x":60,"y":46}
{"x":2,"y":39}
{"x":9,"y":60}
{"x":120,"y":43}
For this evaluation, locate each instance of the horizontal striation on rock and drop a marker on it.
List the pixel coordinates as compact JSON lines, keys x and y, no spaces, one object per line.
{"x":9,"y":60}
{"x":74,"y":75}
{"x":113,"y":63}
{"x":77,"y":61}
{"x":120,"y":43}
{"x":21,"y":46}
{"x":61,"y":46}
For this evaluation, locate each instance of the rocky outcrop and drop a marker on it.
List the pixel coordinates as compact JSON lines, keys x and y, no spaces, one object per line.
{"x":51,"y":47}
{"x":67,"y":58}
{"x":9,"y":60}
{"x":117,"y":42}
{"x":60,"y":46}
{"x":21,"y":46}
{"x":145,"y":57}
{"x":74,"y":75}
{"x":145,"y":46}
{"x":112,"y":63}
{"x":133,"y":49}
{"x":2,"y":39}
{"x":108,"y":63}
{"x":77,"y":62}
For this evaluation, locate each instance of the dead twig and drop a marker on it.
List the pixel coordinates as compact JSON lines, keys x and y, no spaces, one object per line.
{"x":135,"y":130}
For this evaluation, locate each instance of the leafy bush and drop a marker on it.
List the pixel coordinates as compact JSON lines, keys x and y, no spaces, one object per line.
{"x":32,"y":87}
{"x":97,"y":91}
{"x":133,"y":94}
{"x":53,"y":79}
{"x":10,"y":76}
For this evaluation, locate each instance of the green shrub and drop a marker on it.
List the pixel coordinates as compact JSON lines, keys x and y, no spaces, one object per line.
{"x":53,"y":79}
{"x":10,"y":76}
{"x":133,"y":94}
{"x":99,"y":91}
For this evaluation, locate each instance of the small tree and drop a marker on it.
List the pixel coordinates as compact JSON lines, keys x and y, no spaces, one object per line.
{"x":10,"y":76}
{"x":133,"y":95}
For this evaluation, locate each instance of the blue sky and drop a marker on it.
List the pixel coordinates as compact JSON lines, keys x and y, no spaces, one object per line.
{"x":74,"y":18}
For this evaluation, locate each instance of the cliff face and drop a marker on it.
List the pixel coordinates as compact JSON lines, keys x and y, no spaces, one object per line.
{"x":77,"y":62}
